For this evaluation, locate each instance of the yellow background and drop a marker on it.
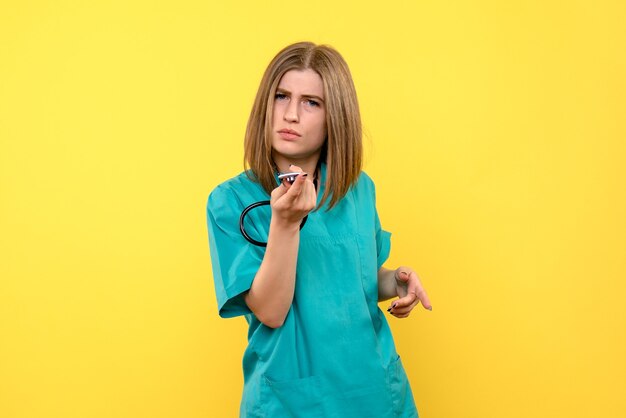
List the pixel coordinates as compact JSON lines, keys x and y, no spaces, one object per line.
{"x":494,"y":131}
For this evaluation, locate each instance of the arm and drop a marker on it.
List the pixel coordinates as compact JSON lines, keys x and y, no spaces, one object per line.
{"x":386,"y":284}
{"x":272,"y":290}
{"x":404,"y":283}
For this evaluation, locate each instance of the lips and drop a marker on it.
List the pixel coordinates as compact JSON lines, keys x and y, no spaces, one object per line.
{"x":288,"y":134}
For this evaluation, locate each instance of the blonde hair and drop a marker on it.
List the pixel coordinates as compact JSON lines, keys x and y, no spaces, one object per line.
{"x":342,"y":150}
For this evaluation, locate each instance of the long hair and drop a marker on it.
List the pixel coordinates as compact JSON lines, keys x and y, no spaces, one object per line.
{"x":342,"y":150}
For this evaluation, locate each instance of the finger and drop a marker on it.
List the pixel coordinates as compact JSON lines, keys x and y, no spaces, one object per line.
{"x":415,"y":287}
{"x":400,"y":314}
{"x":405,"y":301}
{"x":279,"y":191}
{"x":402,"y":274}
{"x":404,"y":310}
{"x":413,"y":283}
{"x":294,"y":169}
{"x":402,"y":304}
{"x":423,"y":298}
{"x":296,"y":188}
{"x":309,"y":192}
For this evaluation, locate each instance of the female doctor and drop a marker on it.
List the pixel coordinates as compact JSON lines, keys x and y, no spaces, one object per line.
{"x":318,"y":344}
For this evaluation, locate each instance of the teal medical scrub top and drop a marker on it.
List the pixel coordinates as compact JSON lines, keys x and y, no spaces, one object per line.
{"x":334,"y":356}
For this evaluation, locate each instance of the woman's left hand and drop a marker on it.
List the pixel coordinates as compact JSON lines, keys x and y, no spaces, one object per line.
{"x":410,"y":292}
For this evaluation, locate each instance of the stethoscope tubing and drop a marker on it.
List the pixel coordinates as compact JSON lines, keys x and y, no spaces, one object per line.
{"x":243,"y":216}
{"x":290,"y":177}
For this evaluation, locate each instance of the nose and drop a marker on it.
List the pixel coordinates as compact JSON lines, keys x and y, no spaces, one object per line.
{"x":291,"y":112}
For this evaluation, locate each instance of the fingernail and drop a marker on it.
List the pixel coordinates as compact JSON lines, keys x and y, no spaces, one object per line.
{"x":393,"y":306}
{"x":304,"y":174}
{"x":389,"y":310}
{"x":430,"y":309}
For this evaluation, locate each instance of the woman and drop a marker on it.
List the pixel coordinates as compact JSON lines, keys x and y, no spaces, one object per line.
{"x":319,"y":346}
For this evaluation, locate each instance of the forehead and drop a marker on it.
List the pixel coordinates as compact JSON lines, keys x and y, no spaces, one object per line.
{"x":302,"y":82}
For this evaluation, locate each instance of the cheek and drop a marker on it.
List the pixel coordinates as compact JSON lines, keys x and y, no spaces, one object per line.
{"x":320,"y":127}
{"x":275,"y":113}
{"x":322,"y":132}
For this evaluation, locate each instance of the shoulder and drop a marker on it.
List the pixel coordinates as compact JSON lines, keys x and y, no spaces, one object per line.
{"x":363,"y":189}
{"x":365,"y":179}
{"x":364,"y":183}
{"x":235,"y":191}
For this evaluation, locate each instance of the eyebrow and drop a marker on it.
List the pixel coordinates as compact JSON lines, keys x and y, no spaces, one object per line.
{"x":309,"y":96}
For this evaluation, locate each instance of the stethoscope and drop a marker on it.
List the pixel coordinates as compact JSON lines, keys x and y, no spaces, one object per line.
{"x":290,"y":177}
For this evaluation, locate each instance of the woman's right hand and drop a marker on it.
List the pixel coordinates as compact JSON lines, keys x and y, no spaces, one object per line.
{"x":292,"y":202}
{"x":271,"y":293}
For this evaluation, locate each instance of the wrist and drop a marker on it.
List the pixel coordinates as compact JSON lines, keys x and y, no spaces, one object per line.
{"x":284,"y":225}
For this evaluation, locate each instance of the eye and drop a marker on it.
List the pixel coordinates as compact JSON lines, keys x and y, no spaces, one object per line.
{"x":312,"y":103}
{"x":280,"y":96}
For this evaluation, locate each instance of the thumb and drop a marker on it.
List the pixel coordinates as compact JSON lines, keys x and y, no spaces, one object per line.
{"x":402,"y":275}
{"x":295,"y":189}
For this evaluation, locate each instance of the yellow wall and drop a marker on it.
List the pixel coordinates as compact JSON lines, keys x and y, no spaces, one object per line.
{"x":496,"y":137}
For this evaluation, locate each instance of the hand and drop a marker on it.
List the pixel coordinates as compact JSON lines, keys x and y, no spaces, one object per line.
{"x":292,"y":202}
{"x":410,"y":293}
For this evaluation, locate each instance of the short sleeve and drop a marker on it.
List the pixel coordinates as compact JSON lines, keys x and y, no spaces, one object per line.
{"x":383,"y":238}
{"x":383,"y":243}
{"x":234,"y":260}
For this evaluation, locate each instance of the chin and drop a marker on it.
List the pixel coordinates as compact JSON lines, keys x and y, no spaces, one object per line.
{"x":288,"y":150}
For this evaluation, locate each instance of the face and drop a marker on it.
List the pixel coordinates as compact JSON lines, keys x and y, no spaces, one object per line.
{"x":299,"y":119}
